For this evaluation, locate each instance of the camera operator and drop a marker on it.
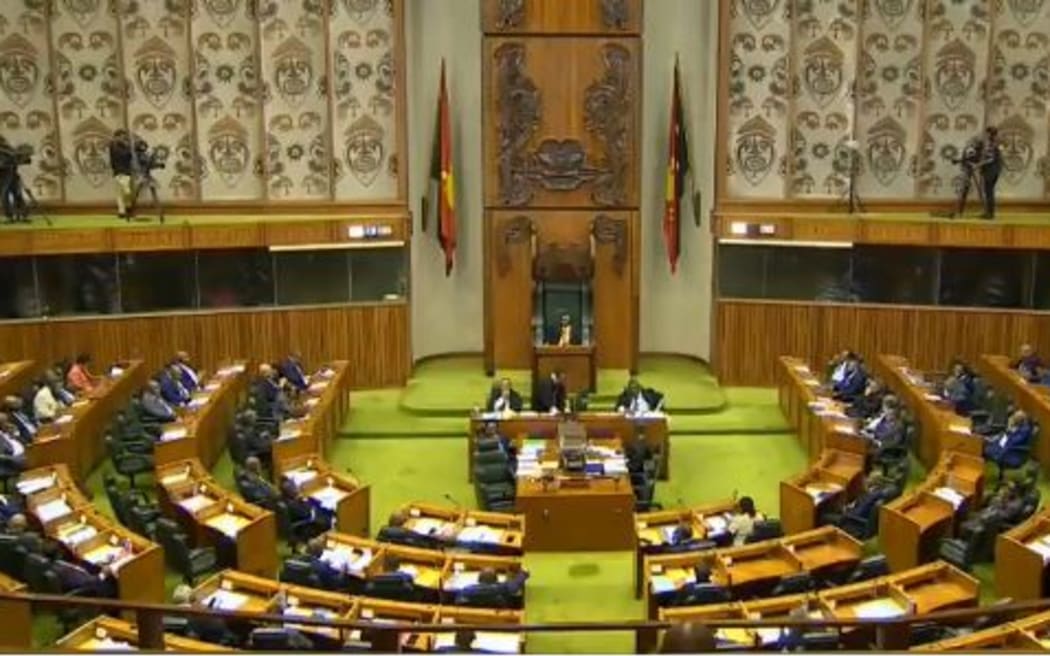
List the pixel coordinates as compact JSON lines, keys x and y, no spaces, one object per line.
{"x":143,"y":162}
{"x":12,"y":193}
{"x":120,"y":161}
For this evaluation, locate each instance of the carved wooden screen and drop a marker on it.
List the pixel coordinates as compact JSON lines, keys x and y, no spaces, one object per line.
{"x":562,"y":108}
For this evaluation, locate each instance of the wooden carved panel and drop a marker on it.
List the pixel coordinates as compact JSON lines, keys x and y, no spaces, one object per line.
{"x":562,"y":16}
{"x":562,"y":122}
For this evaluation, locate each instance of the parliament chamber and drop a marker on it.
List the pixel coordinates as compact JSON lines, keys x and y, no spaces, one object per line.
{"x":370,"y":325}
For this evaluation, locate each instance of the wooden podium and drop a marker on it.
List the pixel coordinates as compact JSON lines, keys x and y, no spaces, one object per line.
{"x":576,"y":361}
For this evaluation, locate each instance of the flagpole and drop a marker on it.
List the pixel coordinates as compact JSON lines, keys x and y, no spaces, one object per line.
{"x":694,"y":196}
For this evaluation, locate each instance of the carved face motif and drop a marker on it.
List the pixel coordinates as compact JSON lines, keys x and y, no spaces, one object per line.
{"x":222,"y":11}
{"x":155,"y":75}
{"x":759,"y":12}
{"x":822,"y":71}
{"x":82,"y":11}
{"x":893,"y":12}
{"x":1026,"y":11}
{"x":886,"y":150}
{"x":360,"y":11}
{"x":229,"y":154}
{"x":19,"y":74}
{"x":364,"y":149}
{"x":91,"y":155}
{"x":755,"y":150}
{"x":954,"y":76}
{"x":1015,"y":142}
{"x":292,"y":77}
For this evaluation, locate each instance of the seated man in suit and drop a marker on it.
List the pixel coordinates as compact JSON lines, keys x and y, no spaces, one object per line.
{"x":489,"y":586}
{"x":26,"y":426}
{"x":12,"y":449}
{"x":203,"y":627}
{"x":171,"y":387}
{"x":870,"y":403}
{"x":1003,"y":510}
{"x":302,"y":512}
{"x":551,"y":395}
{"x":65,"y":395}
{"x":958,"y":388}
{"x":154,"y":406}
{"x":188,"y":375}
{"x":254,"y":486}
{"x":392,"y":572}
{"x":1018,"y":435}
{"x":637,"y":400}
{"x":504,"y":398}
{"x":836,"y":369}
{"x":72,"y":577}
{"x":888,"y":427}
{"x":291,"y":369}
{"x":396,"y":531}
{"x":1028,"y":363}
{"x":269,"y":395}
{"x":564,"y":335}
{"x":79,"y":378}
{"x":878,"y":489}
{"x":852,"y":381}
{"x":330,"y":577}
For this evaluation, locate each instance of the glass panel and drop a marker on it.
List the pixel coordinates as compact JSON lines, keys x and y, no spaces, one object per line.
{"x":235,"y":278}
{"x":378,"y":275}
{"x":18,"y":300}
{"x":810,"y":274}
{"x":741,"y":271}
{"x":895,"y":274}
{"x":984,"y":277}
{"x":157,"y":281}
{"x":78,"y":284}
{"x":313,"y":277}
{"x":1042,"y":282}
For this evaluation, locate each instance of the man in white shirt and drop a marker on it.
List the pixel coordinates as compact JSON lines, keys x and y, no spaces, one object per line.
{"x":45,"y":405}
{"x":10,"y":447}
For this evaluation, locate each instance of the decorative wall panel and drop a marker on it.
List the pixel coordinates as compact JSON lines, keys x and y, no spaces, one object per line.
{"x":26,"y":102}
{"x":889,"y":97}
{"x":759,"y":88}
{"x":252,"y":100}
{"x":929,"y":76}
{"x":89,"y":84}
{"x":1019,"y":91}
{"x":362,"y":71}
{"x":227,"y":92}
{"x":295,"y":107}
{"x":825,"y":52}
{"x":157,"y":78}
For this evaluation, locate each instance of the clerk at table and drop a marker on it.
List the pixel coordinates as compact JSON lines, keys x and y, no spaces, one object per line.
{"x":504,"y":398}
{"x":635,"y":399}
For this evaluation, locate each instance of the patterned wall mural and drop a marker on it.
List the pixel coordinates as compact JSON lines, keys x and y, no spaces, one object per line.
{"x":251,"y":99}
{"x":905,"y":82}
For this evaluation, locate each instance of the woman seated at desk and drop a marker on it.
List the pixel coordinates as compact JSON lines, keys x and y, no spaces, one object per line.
{"x":742,"y":524}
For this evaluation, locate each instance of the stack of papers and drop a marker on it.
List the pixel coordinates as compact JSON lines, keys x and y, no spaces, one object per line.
{"x":173,"y":479}
{"x":225,"y":600}
{"x":77,"y":534}
{"x":716,"y":524}
{"x":300,"y":476}
{"x":1041,"y":546}
{"x":329,"y":497}
{"x":228,"y":524}
{"x":46,"y":512}
{"x":343,"y":559}
{"x":460,"y":580}
{"x":173,"y":433}
{"x":951,"y":496}
{"x":109,"y":644}
{"x":822,"y":491}
{"x":199,"y":401}
{"x":480,"y":534}
{"x":428,"y":525}
{"x":31,"y":486}
{"x":878,"y":609}
{"x":196,"y":502}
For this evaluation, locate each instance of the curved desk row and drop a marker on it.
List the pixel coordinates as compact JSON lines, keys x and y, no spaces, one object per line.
{"x":1033,"y":399}
{"x":503,"y":533}
{"x":107,"y":634}
{"x":1030,"y":634}
{"x":327,"y":399}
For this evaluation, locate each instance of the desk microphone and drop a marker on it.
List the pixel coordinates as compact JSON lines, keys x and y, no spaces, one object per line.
{"x":681,"y":502}
{"x":452,"y":500}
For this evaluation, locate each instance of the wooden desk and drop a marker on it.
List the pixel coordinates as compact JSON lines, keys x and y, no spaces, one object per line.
{"x":301,"y":601}
{"x":244,"y":535}
{"x":741,"y":567}
{"x":327,"y":400}
{"x":59,"y":509}
{"x":759,"y":609}
{"x":485,"y":641}
{"x":341,"y":494}
{"x":16,"y":377}
{"x":599,"y":424}
{"x":237,"y":591}
{"x":834,"y":479}
{"x":105,"y":633}
{"x":652,"y":531}
{"x":1021,"y":558}
{"x":380,"y":611}
{"x":942,"y":429}
{"x":576,"y":361}
{"x":911,"y":526}
{"x":503,"y":532}
{"x":77,"y":437}
{"x":16,"y":622}
{"x":1033,"y":399}
{"x":461,"y":570}
{"x":1004,"y":638}
{"x":201,"y":429}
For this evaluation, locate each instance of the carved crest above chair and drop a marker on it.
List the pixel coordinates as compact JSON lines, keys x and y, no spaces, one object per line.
{"x":563,"y":263}
{"x":606,"y":229}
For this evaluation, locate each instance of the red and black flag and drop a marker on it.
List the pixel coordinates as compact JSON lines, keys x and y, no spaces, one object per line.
{"x":441,"y":173}
{"x":677,"y":171}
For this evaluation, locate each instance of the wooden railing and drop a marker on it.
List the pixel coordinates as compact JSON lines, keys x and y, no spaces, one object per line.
{"x":149,"y":621}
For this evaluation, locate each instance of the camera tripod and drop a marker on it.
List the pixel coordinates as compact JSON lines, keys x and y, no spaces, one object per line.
{"x":139,"y":182}
{"x":23,"y":203}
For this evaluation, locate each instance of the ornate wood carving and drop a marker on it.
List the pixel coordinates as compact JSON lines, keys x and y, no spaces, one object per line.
{"x":511,"y":14}
{"x":615,"y":14}
{"x":563,"y":165}
{"x":563,"y":263}
{"x":606,"y":229}
{"x":514,"y":231}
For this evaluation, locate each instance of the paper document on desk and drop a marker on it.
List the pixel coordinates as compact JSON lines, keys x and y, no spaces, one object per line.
{"x":104,"y":554}
{"x":64,"y":419}
{"x":46,"y":512}
{"x":768,"y":636}
{"x":329,"y":497}
{"x":931,"y":397}
{"x":661,"y":583}
{"x":734,"y":636}
{"x":31,"y":486}
{"x":823,"y":491}
{"x":196,"y":502}
{"x":950,"y":495}
{"x":109,"y":644}
{"x":480,"y":534}
{"x":460,"y":580}
{"x":667,"y":533}
{"x":176,"y":433}
{"x":428,"y":525}
{"x":878,"y":609}
{"x":174,"y":479}
{"x":198,"y":401}
{"x":801,"y":368}
{"x":81,"y":534}
{"x":289,"y":434}
{"x":225,"y":600}
{"x":343,"y":559}
{"x":615,"y":466}
{"x":496,"y":643}
{"x":312,"y":402}
{"x":301,"y":476}
{"x":716,"y":524}
{"x":1042,"y":547}
{"x":228,"y":524}
{"x":212,"y":386}
{"x":318,"y":386}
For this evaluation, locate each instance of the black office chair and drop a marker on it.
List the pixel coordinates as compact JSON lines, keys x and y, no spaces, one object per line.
{"x":486,"y":597}
{"x":299,"y":572}
{"x":179,"y":626}
{"x":927,"y":632}
{"x":869,"y":568}
{"x":701,"y":594}
{"x":34,"y":568}
{"x":794,"y":584}
{"x":643,"y":497}
{"x":484,"y":444}
{"x":190,"y":563}
{"x":279,"y":640}
{"x":12,"y":556}
{"x":407,"y":537}
{"x":127,"y":463}
{"x":824,"y":641}
{"x":295,"y":533}
{"x":491,"y":458}
{"x":494,"y":488}
{"x":395,"y":588}
{"x":767,"y":529}
{"x":10,"y":469}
